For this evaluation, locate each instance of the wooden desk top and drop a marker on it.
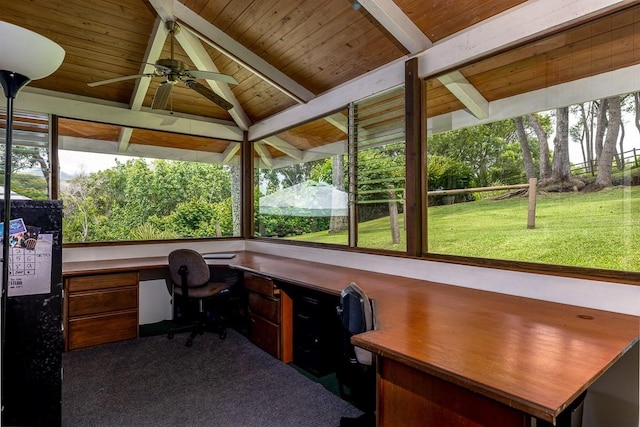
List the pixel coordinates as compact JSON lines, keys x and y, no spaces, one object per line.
{"x":533,"y":355}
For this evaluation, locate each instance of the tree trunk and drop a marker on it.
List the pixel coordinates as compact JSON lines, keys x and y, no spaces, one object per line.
{"x":529,"y":168}
{"x":337,"y":223}
{"x":393,"y":216}
{"x":601,"y":127}
{"x":620,"y":154}
{"x":584,"y":140}
{"x":235,"y":199}
{"x":561,"y":169}
{"x":543,"y":141}
{"x":605,"y":161}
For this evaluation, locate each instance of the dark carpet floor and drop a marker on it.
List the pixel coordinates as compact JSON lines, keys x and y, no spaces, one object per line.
{"x":153,"y":381}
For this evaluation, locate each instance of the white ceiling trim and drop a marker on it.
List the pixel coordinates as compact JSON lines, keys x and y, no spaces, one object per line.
{"x":218,"y":39}
{"x":618,"y":82}
{"x":148,"y":151}
{"x":201,"y":59}
{"x":514,"y":26}
{"x":462,"y":89}
{"x":383,"y":78}
{"x":394,"y":20}
{"x":96,"y":110}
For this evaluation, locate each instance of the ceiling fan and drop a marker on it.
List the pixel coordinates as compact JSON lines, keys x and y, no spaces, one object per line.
{"x":177,"y":71}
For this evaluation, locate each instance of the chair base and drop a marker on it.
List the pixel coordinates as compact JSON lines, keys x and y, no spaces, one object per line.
{"x":203,"y":324}
{"x":196,"y":329}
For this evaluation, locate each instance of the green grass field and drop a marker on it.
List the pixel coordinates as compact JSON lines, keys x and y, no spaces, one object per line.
{"x":598,"y":230}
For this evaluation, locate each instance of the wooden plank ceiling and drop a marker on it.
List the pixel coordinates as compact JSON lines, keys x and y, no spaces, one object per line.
{"x":312,"y":46}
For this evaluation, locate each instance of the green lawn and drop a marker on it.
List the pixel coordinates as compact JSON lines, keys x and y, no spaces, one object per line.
{"x":599,"y":230}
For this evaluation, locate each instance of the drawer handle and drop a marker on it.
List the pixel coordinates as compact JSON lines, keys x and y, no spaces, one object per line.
{"x":304,"y":316}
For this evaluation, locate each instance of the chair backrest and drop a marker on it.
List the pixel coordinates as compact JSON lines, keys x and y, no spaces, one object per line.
{"x":197,"y":268}
{"x":356,"y":311}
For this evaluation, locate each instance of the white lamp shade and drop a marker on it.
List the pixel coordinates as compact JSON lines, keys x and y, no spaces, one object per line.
{"x":25,"y":52}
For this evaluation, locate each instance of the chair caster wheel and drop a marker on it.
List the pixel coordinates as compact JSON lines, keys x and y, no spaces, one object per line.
{"x":170,"y":336}
{"x":223,"y":335}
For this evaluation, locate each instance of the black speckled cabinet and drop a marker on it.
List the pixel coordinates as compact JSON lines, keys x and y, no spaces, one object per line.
{"x":32,"y":351}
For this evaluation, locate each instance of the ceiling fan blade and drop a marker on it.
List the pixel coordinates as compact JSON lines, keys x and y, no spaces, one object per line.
{"x":209,"y":94}
{"x":118,"y":79}
{"x":162,"y":96}
{"x":211,"y":75}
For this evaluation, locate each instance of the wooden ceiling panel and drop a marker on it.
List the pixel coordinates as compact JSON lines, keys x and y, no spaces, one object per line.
{"x":441,"y":18}
{"x":172,"y":140}
{"x":106,"y":132}
{"x":88,"y":130}
{"x":100,"y":38}
{"x":313,"y":134}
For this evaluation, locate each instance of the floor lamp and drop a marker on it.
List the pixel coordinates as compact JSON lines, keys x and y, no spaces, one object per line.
{"x":24,"y":56}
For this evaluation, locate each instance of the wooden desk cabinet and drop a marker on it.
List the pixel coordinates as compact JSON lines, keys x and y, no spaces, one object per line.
{"x":271,"y":317}
{"x":100,"y":308}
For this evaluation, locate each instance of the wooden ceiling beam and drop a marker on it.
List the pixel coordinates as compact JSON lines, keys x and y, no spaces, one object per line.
{"x":264,"y":154}
{"x":210,"y":34}
{"x":124,"y":139}
{"x":462,"y":89}
{"x":152,"y":54}
{"x":230,"y":152}
{"x":282,"y":145}
{"x":394,"y":20}
{"x":96,"y":110}
{"x":201,"y":59}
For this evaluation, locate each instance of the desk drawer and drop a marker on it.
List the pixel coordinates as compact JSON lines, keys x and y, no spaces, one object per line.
{"x":265,"y":335}
{"x":101,"y":281}
{"x":259,"y":284}
{"x":94,"y":330}
{"x":83,"y":303}
{"x":269,"y":308}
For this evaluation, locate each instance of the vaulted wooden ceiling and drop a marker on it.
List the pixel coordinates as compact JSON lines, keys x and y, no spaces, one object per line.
{"x":299,"y":61}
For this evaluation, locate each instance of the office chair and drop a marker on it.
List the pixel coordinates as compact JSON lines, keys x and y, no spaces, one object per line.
{"x":189,"y":287}
{"x":356,"y":369}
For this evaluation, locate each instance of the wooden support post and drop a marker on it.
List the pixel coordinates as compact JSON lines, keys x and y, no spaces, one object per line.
{"x":531,"y":217}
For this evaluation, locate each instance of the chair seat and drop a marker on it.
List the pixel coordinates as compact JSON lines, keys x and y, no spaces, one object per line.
{"x":207,"y":290}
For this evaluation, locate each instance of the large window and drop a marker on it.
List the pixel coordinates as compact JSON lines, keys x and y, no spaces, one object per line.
{"x":583,"y":149}
{"x":355,"y":169}
{"x":149,"y":186}
{"x":30,"y":161}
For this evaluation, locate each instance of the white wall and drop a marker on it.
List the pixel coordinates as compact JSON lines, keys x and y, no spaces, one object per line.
{"x":612,"y":401}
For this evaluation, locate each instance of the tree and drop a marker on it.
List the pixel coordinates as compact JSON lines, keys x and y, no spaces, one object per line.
{"x":543,"y":142}
{"x":338,"y":223}
{"x":605,"y":160}
{"x":524,"y":147}
{"x":561,"y":168}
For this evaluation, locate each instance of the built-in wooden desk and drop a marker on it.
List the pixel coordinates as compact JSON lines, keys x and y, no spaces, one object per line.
{"x":455,"y":356}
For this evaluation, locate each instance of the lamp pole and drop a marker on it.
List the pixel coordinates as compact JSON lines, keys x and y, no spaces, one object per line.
{"x":11,"y":83}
